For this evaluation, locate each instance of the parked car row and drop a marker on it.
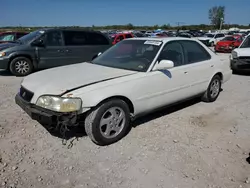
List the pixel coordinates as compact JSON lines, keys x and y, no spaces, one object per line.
{"x":47,"y":48}
{"x":11,"y":36}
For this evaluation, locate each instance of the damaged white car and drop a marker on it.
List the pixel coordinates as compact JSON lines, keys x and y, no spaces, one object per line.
{"x":133,"y":77}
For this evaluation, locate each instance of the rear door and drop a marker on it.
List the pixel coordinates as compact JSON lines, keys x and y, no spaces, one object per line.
{"x":96,"y":43}
{"x":198,"y":68}
{"x":53,"y":53}
{"x":82,"y":46}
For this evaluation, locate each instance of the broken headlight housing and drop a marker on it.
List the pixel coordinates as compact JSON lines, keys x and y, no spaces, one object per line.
{"x":234,"y":55}
{"x":59,"y":104}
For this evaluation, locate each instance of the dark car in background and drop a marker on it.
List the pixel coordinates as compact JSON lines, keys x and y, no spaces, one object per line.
{"x":11,"y":36}
{"x":51,"y":47}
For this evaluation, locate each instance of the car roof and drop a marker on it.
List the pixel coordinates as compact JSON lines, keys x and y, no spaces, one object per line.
{"x":163,"y":39}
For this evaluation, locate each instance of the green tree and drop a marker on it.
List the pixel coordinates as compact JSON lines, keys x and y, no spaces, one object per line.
{"x":216,"y":14}
{"x":129,"y":26}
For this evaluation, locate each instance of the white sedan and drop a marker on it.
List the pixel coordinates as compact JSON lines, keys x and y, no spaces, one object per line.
{"x":133,"y":77}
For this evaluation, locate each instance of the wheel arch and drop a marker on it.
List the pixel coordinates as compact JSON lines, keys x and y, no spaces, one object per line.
{"x":20,"y":55}
{"x":123,"y":98}
{"x":220,"y":75}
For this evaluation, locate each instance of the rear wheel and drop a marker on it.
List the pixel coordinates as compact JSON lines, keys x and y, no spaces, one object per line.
{"x":213,"y":90}
{"x":108,"y":122}
{"x":21,"y":66}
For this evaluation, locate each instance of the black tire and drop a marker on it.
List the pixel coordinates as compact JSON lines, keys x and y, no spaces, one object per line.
{"x":14,"y":66}
{"x":93,"y":119}
{"x":207,"y":96}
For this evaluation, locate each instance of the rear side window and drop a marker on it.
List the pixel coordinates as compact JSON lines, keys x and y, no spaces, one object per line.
{"x":194,"y":52}
{"x":75,"y":38}
{"x":97,"y":39}
{"x":54,"y":38}
{"x":128,"y":36}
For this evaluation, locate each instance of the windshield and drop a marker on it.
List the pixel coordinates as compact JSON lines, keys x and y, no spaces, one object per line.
{"x":229,"y":39}
{"x":246,"y":43}
{"x":135,"y":55}
{"x":7,"y":37}
{"x":209,"y":35}
{"x":31,"y":36}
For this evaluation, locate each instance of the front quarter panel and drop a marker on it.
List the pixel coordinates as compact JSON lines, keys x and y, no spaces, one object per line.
{"x":133,"y":87}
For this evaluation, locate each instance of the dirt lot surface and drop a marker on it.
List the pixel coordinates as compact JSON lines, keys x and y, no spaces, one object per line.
{"x":194,"y":145}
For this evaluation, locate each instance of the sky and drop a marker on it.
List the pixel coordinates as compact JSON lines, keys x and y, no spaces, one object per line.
{"x":112,"y":12}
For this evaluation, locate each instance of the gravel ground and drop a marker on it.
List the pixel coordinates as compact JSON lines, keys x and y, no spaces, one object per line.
{"x":191,"y":145}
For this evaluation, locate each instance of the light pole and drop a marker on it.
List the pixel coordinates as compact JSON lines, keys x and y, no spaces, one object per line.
{"x":221,"y":22}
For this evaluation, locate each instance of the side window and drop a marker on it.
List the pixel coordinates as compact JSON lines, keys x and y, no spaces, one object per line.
{"x":173,"y":51}
{"x":219,"y":35}
{"x":54,"y":38}
{"x":194,"y":52}
{"x":240,"y":39}
{"x":75,"y":38}
{"x":7,"y":37}
{"x":97,"y":39}
{"x":128,"y":36}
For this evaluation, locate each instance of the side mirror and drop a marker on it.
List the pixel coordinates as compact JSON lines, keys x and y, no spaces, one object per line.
{"x":38,"y":43}
{"x":163,"y":65}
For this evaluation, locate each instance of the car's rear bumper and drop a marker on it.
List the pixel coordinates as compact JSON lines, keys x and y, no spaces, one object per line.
{"x":46,"y":117}
{"x":240,"y":64}
{"x":4,"y":63}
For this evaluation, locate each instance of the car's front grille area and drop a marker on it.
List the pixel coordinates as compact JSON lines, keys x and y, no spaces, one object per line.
{"x":245,"y":58}
{"x":26,"y":94}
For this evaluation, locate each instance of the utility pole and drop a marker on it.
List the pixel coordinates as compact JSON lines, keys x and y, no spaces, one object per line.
{"x":221,"y":22}
{"x":178,"y":23}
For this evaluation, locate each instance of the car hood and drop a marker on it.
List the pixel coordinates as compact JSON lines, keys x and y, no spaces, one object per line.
{"x":58,"y":81}
{"x":224,"y":43}
{"x":203,"y":38}
{"x":6,"y":45}
{"x":243,"y":52}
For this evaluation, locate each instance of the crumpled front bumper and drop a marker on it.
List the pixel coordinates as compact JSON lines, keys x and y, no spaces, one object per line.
{"x":240,"y":64}
{"x":46,"y":117}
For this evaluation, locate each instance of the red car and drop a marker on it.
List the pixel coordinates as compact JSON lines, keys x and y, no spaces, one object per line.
{"x":228,"y":43}
{"x":11,"y":36}
{"x":120,"y":36}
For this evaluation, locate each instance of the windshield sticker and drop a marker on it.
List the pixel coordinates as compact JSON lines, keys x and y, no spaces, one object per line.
{"x":152,"y":42}
{"x":41,"y":32}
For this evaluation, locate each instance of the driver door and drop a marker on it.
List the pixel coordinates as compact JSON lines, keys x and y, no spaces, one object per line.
{"x":53,"y":53}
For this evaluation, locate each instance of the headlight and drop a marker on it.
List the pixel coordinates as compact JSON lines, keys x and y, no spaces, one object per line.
{"x":2,"y":54}
{"x":234,"y":54}
{"x":59,"y":104}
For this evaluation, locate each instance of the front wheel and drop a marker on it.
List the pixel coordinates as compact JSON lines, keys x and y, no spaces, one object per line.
{"x":21,"y":66}
{"x":213,"y":90}
{"x":108,"y":122}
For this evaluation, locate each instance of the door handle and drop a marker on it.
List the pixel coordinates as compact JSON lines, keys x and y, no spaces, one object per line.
{"x":185,"y":72}
{"x":212,"y":66}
